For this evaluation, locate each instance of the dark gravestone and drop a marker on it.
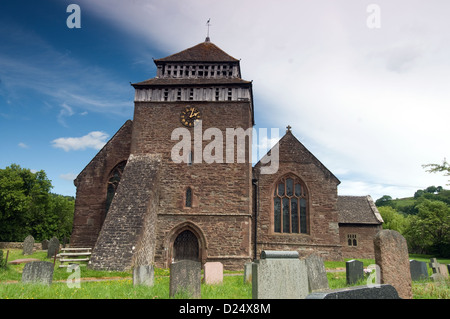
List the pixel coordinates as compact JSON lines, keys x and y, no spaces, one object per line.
{"x":185,"y":277}
{"x":53,"y":247}
{"x":418,"y":270}
{"x":317,"y":275}
{"x":358,"y":292}
{"x":28,"y":245}
{"x":44,"y":244}
{"x":354,"y":270}
{"x":38,"y":272}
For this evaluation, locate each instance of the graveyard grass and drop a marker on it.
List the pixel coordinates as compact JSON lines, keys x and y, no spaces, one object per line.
{"x":112,"y":285}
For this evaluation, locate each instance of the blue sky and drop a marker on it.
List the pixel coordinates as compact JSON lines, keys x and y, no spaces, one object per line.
{"x":370,"y":102}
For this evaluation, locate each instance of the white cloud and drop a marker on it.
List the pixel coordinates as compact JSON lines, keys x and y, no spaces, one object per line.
{"x":95,"y":140}
{"x":23,"y":145}
{"x":66,"y":111}
{"x":68,"y":176}
{"x":372,"y":104}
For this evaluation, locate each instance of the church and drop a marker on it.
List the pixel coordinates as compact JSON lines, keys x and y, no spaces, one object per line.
{"x":177,"y":182}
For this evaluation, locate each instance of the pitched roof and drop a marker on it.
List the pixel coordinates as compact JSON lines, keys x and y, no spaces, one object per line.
{"x":358,"y":210}
{"x":194,"y":81}
{"x":202,"y":52}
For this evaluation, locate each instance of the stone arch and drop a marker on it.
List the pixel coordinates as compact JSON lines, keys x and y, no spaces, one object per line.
{"x":184,"y":229}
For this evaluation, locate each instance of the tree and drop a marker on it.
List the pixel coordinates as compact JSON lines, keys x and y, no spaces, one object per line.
{"x":385,"y":200}
{"x":435,"y":168}
{"x":429,"y":230}
{"x":392,"y":219}
{"x":28,"y":208}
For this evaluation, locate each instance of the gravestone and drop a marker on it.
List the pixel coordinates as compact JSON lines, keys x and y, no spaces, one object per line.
{"x":38,"y":272}
{"x":44,"y":244}
{"x":440,"y":271}
{"x":28,"y":245}
{"x":213,"y":273}
{"x":357,"y":292}
{"x":354,"y":271}
{"x":317,"y":275}
{"x":248,"y":273}
{"x":185,"y":277}
{"x":143,"y":275}
{"x":279,"y":275}
{"x":391,"y":255}
{"x":418,"y":269}
{"x":53,"y":247}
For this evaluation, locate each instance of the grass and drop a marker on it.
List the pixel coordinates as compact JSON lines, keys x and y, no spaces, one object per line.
{"x":121,"y":287}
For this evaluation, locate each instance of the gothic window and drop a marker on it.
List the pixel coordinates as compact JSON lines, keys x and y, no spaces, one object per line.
{"x":113,"y":182}
{"x":290,"y":205}
{"x":188,"y":202}
{"x":352,"y":240}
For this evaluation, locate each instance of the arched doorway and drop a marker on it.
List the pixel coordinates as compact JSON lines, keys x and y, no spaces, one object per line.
{"x":186,"y":246}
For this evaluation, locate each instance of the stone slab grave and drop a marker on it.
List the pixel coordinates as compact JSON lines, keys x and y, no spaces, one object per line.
{"x":53,"y":247}
{"x":357,"y":292}
{"x":248,"y":273}
{"x":391,"y":255}
{"x":354,"y":271}
{"x":22,"y":261}
{"x":213,"y":273}
{"x":28,"y":245}
{"x":418,"y":270}
{"x":279,"y":275}
{"x":317,"y":275}
{"x":143,"y":275}
{"x":440,"y":271}
{"x":185,"y":277}
{"x":38,"y":272}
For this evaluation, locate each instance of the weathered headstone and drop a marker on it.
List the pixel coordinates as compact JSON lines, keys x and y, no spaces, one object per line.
{"x":357,"y":292}
{"x":317,"y":275}
{"x":53,"y":247}
{"x":248,"y":273}
{"x":185,"y":277}
{"x":391,"y":255}
{"x":279,"y":275}
{"x":44,"y":244}
{"x":143,"y":275}
{"x":38,"y":272}
{"x":213,"y":273}
{"x":418,"y":269}
{"x":440,"y":271}
{"x":354,"y":271}
{"x":28,"y":245}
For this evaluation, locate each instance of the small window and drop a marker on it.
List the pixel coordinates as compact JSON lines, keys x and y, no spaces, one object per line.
{"x":188,"y":202}
{"x":230,"y":94}
{"x":179,"y":95}
{"x":191,"y":94}
{"x":352,"y":240}
{"x":166,"y":94}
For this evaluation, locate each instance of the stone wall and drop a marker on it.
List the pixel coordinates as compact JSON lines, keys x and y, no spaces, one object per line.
{"x":322,"y":236}
{"x":92,"y":182}
{"x":365,"y":235}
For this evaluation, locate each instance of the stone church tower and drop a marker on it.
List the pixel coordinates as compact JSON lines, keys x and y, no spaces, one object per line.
{"x":177,"y":182}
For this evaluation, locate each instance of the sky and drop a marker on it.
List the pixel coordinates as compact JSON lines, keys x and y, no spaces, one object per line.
{"x":363,"y":84}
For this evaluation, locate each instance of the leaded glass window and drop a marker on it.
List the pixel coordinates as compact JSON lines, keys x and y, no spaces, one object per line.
{"x":290,"y":206}
{"x":113,"y":183}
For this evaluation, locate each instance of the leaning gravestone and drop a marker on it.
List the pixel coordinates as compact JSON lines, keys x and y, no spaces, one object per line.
{"x":418,"y":269}
{"x":357,"y":292}
{"x":317,"y":275}
{"x":279,"y":275}
{"x":185,"y":277}
{"x":28,"y":245}
{"x":38,"y":272}
{"x":53,"y":247}
{"x":213,"y":273}
{"x":143,"y":275}
{"x":354,"y":271}
{"x":391,"y":255}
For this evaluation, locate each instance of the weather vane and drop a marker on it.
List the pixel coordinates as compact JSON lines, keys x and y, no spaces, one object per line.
{"x":208,"y":23}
